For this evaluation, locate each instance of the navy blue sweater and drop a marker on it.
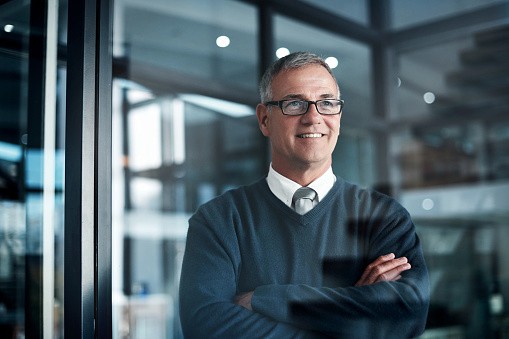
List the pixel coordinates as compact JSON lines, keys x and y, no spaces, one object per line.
{"x":302,"y":268}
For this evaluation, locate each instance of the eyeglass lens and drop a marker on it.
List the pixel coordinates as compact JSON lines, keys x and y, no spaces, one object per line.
{"x":295,"y":107}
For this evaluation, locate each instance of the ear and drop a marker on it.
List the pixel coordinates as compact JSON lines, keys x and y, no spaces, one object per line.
{"x":262,"y":113}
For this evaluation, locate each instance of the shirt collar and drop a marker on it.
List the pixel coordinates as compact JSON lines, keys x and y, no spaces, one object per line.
{"x":284,"y":188}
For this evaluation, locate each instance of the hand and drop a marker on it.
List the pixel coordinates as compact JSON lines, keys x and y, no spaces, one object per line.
{"x":244,"y":300}
{"x":384,"y":268}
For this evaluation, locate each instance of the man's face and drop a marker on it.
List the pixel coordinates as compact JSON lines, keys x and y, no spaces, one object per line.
{"x":306,"y":141}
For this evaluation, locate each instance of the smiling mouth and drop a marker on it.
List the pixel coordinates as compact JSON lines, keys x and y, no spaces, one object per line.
{"x":310,"y":135}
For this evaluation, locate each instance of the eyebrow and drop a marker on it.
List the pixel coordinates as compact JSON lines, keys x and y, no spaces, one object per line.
{"x":300,"y":96}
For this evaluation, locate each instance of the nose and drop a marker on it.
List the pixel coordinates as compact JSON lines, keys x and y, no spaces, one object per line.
{"x":311,"y":116}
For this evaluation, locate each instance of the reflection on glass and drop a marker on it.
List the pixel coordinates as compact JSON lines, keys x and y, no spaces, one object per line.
{"x":181,"y":137}
{"x":180,"y":141}
{"x":451,"y":152}
{"x":180,"y":151}
{"x":450,"y":95}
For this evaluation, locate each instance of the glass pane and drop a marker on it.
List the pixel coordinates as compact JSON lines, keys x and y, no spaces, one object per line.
{"x":451,"y":153}
{"x":356,"y":10}
{"x":184,"y":132}
{"x":183,"y":150}
{"x":31,"y":175}
{"x":408,"y":13}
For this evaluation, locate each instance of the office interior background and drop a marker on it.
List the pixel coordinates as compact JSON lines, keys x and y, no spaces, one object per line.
{"x":426,"y":120}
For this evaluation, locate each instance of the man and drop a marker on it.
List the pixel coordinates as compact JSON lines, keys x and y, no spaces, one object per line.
{"x":256,"y":266}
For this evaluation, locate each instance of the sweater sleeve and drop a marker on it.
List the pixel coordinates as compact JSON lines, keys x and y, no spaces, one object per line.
{"x":385,"y":309}
{"x":208,"y":287}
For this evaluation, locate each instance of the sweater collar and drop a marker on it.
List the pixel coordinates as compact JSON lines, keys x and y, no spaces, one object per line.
{"x":284,"y":188}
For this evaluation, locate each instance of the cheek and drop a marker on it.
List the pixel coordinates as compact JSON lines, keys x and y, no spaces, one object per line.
{"x":334,"y":127}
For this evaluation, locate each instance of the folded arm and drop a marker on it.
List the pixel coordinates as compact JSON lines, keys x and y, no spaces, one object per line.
{"x":390,"y":298}
{"x":384,"y":268}
{"x":208,"y":288}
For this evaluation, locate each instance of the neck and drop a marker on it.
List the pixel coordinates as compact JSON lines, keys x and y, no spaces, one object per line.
{"x":303,"y":175}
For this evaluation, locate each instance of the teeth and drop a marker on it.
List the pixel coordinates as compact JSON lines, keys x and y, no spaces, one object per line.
{"x":310,"y":135}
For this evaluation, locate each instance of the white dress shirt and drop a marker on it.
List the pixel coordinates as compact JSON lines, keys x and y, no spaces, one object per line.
{"x":284,"y":188}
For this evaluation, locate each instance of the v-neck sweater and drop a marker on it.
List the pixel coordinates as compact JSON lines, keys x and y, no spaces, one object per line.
{"x":302,"y":268}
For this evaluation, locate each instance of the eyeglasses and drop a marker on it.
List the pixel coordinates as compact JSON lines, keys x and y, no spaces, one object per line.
{"x":300,"y":107}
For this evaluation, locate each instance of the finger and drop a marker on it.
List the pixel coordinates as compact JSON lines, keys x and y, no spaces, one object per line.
{"x":381,"y":259}
{"x":383,"y":274}
{"x":393,"y":274}
{"x":385,"y":270}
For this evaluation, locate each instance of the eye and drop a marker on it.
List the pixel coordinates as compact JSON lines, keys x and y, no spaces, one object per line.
{"x":327,"y":103}
{"x":293,"y":104}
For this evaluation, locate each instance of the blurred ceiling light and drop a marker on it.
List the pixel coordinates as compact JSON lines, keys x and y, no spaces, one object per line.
{"x":428,"y":204}
{"x":332,"y":62}
{"x":228,"y":108}
{"x":429,"y":97}
{"x":223,"y":41}
{"x":398,"y":79}
{"x":8,"y":28}
{"x":282,"y":52}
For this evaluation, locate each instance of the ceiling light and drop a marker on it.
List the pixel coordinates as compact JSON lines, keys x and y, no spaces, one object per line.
{"x":428,"y":204}
{"x":429,"y":97}
{"x":282,"y":52}
{"x":332,"y":62}
{"x":223,"y":41}
{"x":8,"y":28}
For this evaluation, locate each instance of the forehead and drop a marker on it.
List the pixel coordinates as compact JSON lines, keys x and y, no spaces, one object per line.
{"x":307,"y":80}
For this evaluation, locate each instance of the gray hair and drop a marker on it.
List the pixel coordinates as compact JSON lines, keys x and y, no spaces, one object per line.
{"x":291,"y":61}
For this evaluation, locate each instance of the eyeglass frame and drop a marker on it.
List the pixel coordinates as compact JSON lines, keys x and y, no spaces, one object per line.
{"x":279,"y":104}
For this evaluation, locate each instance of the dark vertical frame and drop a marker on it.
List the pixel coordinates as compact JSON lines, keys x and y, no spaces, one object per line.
{"x":266,"y":57}
{"x":87,"y":280}
{"x":379,"y":18}
{"x":265,"y":38}
{"x":35,"y":130}
{"x":103,"y":299}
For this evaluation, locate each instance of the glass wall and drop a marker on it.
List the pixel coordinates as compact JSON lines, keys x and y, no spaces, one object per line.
{"x":31,"y":172}
{"x":184,"y":96}
{"x":450,"y":151}
{"x":185,"y":131}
